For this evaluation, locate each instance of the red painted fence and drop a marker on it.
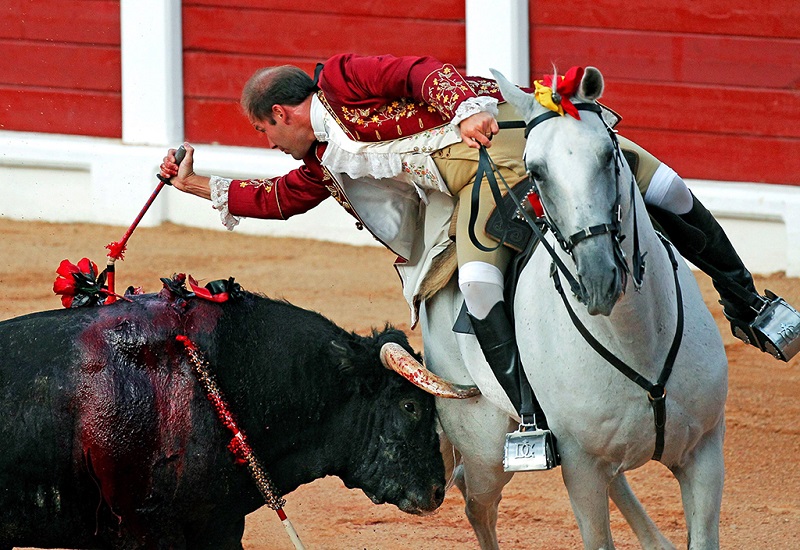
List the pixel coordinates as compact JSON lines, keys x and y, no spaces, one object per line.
{"x":60,"y":67}
{"x":710,"y":87}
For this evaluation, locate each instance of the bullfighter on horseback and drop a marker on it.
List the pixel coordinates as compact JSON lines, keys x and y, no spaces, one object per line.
{"x":395,"y":141}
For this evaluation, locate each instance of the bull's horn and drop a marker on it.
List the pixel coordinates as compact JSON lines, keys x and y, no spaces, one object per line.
{"x":395,"y":358}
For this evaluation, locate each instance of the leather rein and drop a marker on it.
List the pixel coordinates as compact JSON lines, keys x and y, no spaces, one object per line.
{"x":656,"y":392}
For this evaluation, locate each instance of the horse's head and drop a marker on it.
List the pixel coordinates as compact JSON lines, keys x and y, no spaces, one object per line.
{"x":573,"y":161}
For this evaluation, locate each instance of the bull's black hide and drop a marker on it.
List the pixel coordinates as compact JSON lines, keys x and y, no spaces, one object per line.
{"x":108,"y":440}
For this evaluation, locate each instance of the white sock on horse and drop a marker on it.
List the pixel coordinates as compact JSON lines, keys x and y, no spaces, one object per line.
{"x":668,"y":191}
{"x":482,"y":285}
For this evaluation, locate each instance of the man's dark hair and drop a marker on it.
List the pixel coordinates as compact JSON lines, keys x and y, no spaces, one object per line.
{"x":283,"y":85}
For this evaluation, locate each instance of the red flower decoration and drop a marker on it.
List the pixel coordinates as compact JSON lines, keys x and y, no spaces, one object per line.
{"x":79,"y":285}
{"x":566,"y":87}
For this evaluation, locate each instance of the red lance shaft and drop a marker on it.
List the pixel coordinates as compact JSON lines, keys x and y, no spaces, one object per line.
{"x":116,"y":250}
{"x":238,"y":445}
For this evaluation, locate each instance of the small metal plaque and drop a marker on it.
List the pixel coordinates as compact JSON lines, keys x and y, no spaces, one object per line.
{"x":529,"y":450}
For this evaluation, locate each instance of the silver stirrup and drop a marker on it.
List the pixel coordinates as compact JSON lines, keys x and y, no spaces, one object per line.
{"x":528,"y":449}
{"x":775,"y":330}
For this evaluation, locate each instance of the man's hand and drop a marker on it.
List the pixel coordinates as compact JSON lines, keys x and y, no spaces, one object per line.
{"x":478,"y":129}
{"x":182,"y":176}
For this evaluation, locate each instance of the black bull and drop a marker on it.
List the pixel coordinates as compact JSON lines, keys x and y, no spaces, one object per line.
{"x":109,"y":441}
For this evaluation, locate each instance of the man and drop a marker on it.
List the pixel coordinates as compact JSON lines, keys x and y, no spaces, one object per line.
{"x":395,"y":141}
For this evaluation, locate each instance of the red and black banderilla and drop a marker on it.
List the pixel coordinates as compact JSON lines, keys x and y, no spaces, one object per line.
{"x":116,"y":249}
{"x":238,"y":445}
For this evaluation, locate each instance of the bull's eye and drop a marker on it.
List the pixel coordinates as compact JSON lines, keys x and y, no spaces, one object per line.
{"x":410,"y":407}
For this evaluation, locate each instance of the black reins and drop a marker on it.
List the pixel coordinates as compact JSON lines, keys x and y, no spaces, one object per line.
{"x":656,"y":392}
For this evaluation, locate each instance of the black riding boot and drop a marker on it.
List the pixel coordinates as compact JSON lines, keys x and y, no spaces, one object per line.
{"x":701,"y":240}
{"x":496,"y":336}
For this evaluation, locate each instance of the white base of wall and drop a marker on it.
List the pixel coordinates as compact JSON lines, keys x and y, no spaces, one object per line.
{"x":69,"y":179}
{"x":72,"y":179}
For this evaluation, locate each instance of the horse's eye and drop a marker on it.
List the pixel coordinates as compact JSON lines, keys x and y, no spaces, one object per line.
{"x":534,"y":174}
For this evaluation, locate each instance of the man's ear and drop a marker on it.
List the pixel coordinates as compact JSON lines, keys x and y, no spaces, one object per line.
{"x":279,"y":113}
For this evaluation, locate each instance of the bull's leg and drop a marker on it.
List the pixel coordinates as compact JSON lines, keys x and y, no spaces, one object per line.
{"x":643,"y":527}
{"x":701,"y":479}
{"x":587,"y":480}
{"x":478,"y":429}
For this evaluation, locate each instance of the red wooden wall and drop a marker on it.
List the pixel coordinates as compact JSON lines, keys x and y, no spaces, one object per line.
{"x":225,"y":41}
{"x":711,"y":87}
{"x":60,"y":67}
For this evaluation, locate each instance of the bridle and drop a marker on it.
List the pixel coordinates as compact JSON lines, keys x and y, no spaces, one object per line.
{"x":486,"y":167}
{"x":613,"y":227}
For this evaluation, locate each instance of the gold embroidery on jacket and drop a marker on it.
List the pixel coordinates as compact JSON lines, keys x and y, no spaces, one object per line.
{"x":327,"y":106}
{"x":266,"y":183}
{"x":396,"y":111}
{"x":333,"y":189}
{"x":482,"y":86}
{"x":447,"y":90}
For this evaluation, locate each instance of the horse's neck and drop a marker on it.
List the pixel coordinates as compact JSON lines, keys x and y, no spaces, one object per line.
{"x":649,"y":312}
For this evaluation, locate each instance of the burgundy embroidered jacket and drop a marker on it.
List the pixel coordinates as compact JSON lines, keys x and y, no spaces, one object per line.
{"x":373,"y":99}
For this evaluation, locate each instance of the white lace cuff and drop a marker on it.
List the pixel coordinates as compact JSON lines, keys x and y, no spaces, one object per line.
{"x":219,"y":200}
{"x":474,"y":105}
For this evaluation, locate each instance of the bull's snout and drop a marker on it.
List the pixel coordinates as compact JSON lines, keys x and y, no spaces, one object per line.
{"x":420,"y":503}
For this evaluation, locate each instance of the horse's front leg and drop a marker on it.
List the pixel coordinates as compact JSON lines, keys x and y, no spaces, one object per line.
{"x":477,"y":429}
{"x":587,"y":480}
{"x":631,"y":508}
{"x":701,"y":478}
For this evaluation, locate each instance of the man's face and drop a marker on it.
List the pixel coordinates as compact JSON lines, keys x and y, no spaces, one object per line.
{"x":290,"y":138}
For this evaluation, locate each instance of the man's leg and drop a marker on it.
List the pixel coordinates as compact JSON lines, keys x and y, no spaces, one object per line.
{"x":481,"y":274}
{"x":481,"y":284}
{"x":481,"y":278}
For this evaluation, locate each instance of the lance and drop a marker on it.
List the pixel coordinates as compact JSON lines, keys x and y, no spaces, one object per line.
{"x":117,"y":249}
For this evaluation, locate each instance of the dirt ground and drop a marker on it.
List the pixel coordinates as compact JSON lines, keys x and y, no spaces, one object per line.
{"x":357,"y":288}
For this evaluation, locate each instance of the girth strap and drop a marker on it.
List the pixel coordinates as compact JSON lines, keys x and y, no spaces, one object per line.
{"x":657,"y":392}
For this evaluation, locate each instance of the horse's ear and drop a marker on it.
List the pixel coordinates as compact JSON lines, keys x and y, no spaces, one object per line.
{"x":522,"y":101}
{"x":591,"y":84}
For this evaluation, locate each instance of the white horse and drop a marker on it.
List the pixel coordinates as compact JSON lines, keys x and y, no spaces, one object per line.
{"x":603,"y":421}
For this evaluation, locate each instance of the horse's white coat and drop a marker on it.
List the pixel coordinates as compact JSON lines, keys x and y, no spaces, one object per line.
{"x":603,"y":421}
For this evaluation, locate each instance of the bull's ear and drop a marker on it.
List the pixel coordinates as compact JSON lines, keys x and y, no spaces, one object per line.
{"x":342,"y":355}
{"x":592,"y":84}
{"x":359,"y":365}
